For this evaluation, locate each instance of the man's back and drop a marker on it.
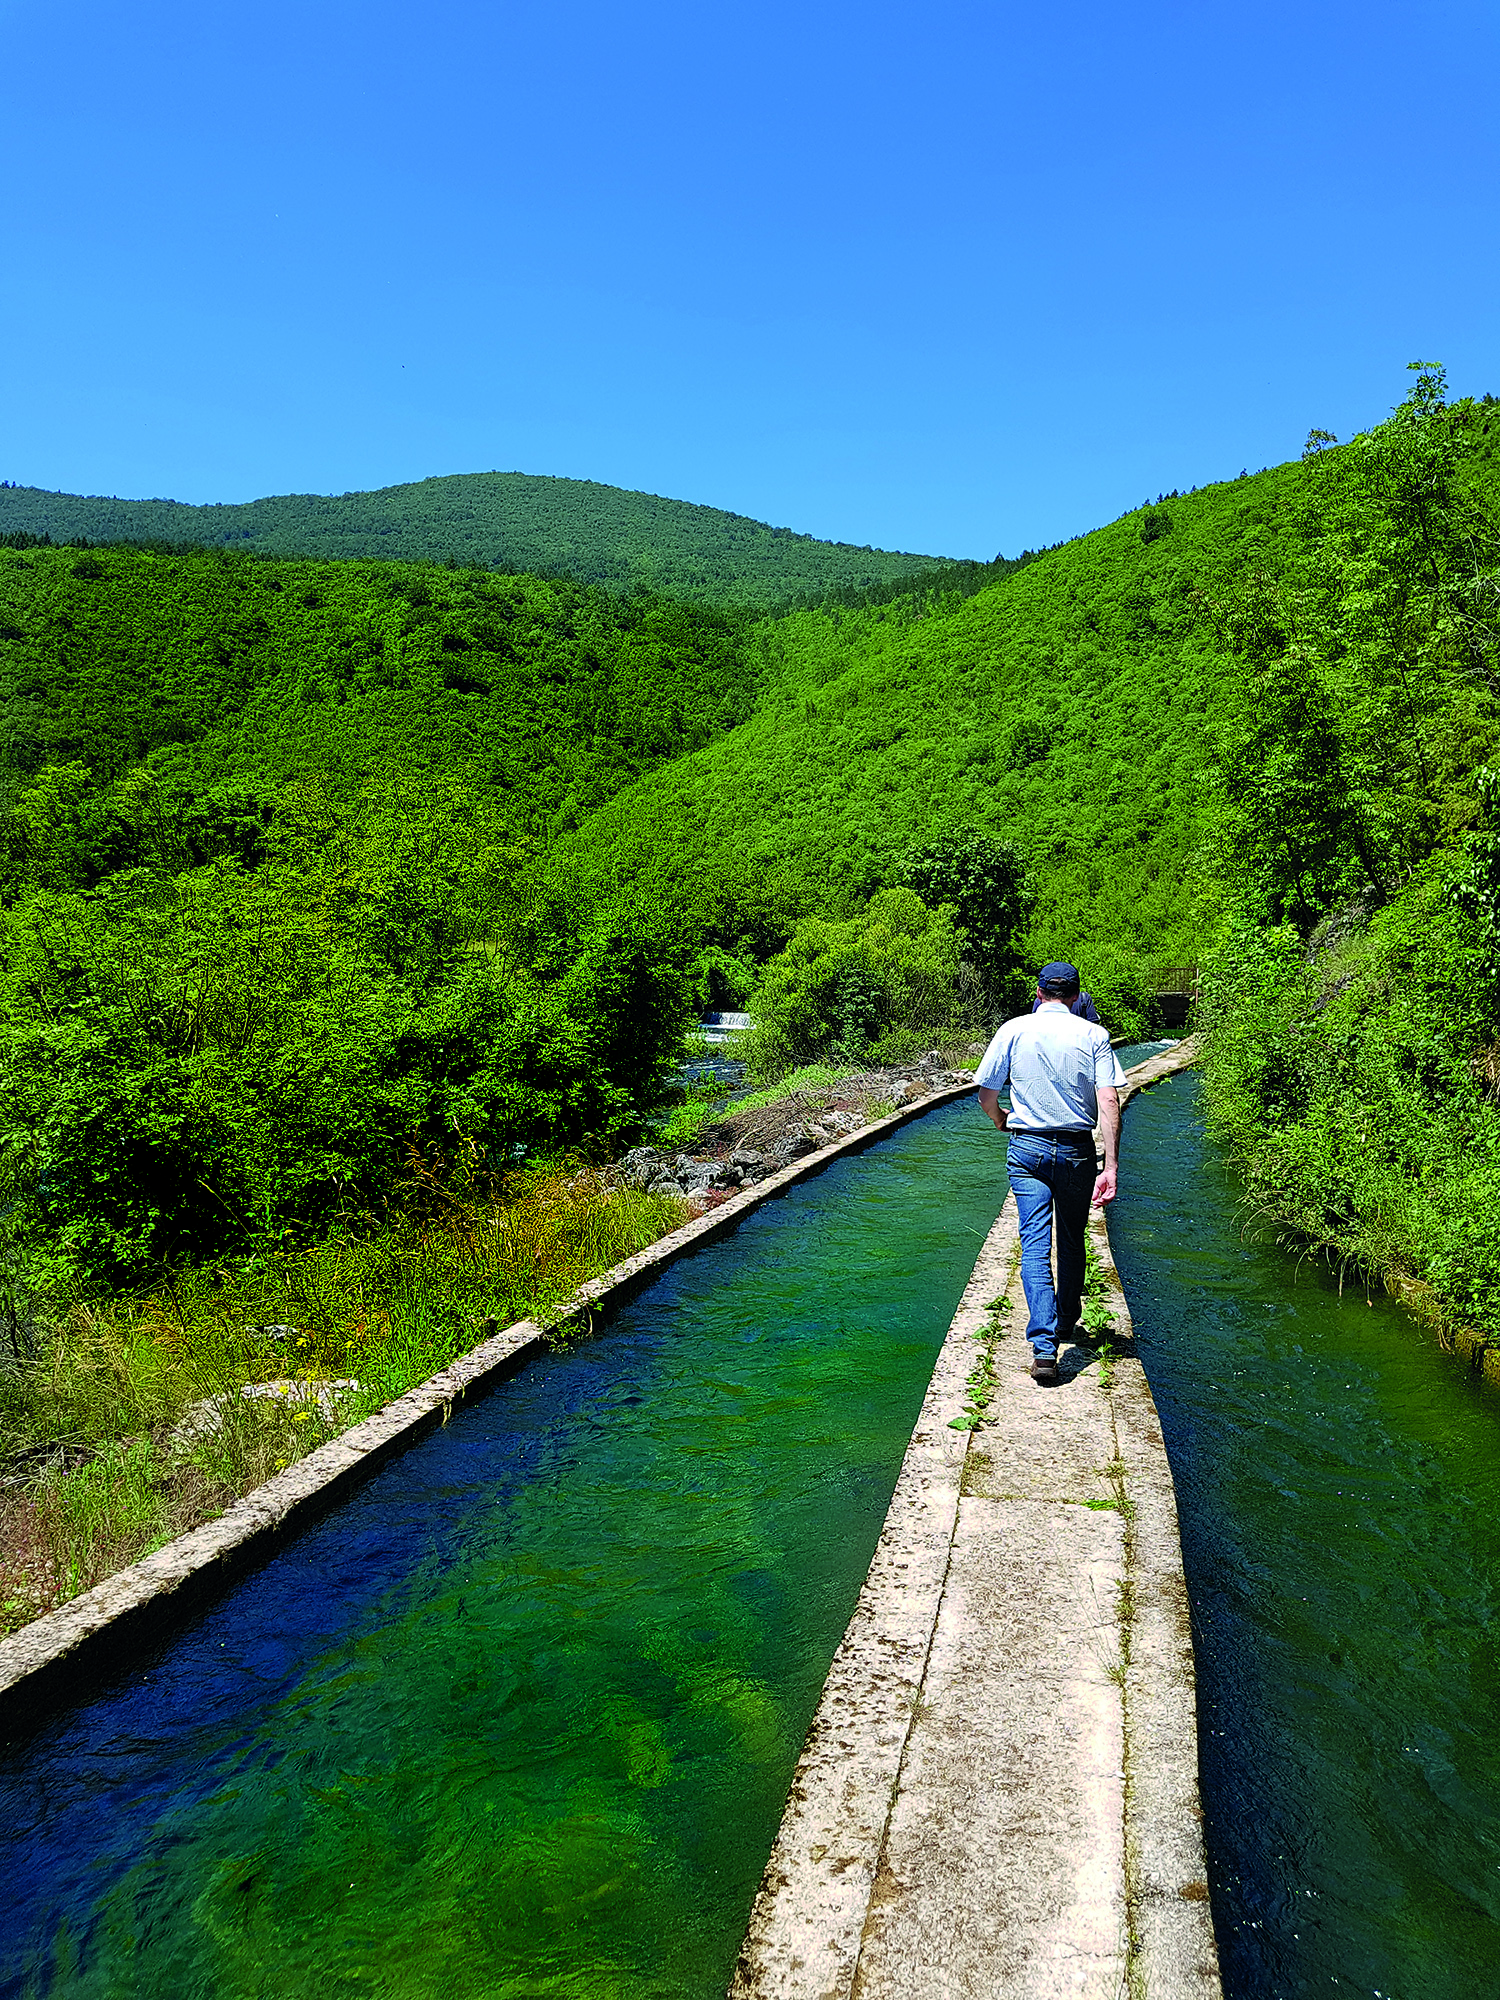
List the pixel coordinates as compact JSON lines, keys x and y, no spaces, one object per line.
{"x":1056,"y":1063}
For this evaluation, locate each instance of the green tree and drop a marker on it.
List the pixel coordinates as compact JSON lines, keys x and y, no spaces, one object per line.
{"x":1293,"y":837}
{"x":984,"y":879}
{"x":875,"y":985}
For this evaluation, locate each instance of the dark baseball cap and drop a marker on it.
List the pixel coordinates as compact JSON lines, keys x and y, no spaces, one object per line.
{"x":1059,"y":974}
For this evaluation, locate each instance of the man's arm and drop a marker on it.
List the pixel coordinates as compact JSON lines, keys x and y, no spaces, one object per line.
{"x":989,"y":1104}
{"x":1109,"y":1132}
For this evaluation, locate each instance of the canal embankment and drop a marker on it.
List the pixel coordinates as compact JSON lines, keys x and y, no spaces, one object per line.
{"x":999,"y":1792}
{"x":551,"y":1654}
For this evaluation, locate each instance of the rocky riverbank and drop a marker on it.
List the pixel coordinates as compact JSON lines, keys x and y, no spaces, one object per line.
{"x":743,"y":1147}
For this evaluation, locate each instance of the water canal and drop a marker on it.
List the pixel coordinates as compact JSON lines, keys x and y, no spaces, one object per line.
{"x":1338,"y":1484}
{"x":519,"y":1719}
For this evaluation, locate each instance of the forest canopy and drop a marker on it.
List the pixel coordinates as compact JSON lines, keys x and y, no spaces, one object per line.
{"x":218,"y":669}
{"x":515,"y":521}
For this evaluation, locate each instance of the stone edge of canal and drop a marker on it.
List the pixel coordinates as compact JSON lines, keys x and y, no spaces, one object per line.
{"x":999,"y":1790}
{"x":66,"y":1655}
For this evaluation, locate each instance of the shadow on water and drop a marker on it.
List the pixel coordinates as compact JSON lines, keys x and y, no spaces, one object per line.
{"x":520,"y":1717}
{"x":1338,"y":1479}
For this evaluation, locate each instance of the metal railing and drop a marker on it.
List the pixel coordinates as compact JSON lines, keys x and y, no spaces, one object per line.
{"x":1176,"y":979}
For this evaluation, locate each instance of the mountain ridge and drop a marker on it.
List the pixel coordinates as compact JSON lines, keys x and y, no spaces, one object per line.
{"x":525,"y":523}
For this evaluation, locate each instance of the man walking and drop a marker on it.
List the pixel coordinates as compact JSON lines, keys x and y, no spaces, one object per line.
{"x":1064,"y":1079}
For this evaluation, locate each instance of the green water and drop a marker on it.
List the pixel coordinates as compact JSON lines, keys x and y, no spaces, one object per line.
{"x":519,"y":1719}
{"x":1338,"y":1482}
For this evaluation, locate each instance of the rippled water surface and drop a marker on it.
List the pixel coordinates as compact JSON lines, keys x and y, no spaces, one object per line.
{"x":518,"y":1720}
{"x":1338,"y":1480}
{"x":520,"y":1717}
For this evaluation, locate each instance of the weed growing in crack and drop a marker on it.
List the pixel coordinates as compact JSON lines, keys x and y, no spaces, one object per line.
{"x":981,"y":1386}
{"x":997,"y":1325}
{"x":1096,"y":1317}
{"x":981,"y":1379}
{"x":1119,"y":1501}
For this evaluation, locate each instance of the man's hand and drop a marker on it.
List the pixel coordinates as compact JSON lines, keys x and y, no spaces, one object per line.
{"x":1105,"y":1187}
{"x":989,"y":1104}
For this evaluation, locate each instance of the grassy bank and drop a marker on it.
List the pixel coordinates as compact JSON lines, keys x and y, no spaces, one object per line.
{"x":124,"y":1422}
{"x":1352,"y":995}
{"x":1354,"y":1080}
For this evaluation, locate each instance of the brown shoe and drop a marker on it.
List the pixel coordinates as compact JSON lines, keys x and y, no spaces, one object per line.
{"x":1044,"y":1368}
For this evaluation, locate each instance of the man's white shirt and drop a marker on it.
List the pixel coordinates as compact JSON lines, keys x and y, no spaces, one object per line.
{"x":1056,"y":1063}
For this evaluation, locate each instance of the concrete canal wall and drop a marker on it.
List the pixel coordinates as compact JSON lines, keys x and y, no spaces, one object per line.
{"x":998,"y":1795}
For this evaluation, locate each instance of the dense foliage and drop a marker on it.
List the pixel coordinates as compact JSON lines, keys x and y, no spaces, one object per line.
{"x":983,"y":881}
{"x":871,"y":987}
{"x":312,"y":868}
{"x":1354,"y":991}
{"x":1066,"y":712}
{"x":193,"y":1058}
{"x":237,"y":674}
{"x":572,"y":528}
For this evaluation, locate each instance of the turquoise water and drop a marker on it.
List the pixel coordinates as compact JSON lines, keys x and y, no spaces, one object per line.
{"x":519,"y":1719}
{"x":1338,"y":1481}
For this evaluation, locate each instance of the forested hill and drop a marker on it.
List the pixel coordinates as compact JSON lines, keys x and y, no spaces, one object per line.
{"x":1065,"y":709}
{"x":544,"y":696}
{"x":1077,"y":708}
{"x":498,"y":520}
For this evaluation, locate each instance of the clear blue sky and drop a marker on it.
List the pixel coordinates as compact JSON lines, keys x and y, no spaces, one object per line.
{"x":953,"y":278}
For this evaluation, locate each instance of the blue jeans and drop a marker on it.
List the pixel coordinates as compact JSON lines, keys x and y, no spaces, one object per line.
{"x":1047,"y":1175}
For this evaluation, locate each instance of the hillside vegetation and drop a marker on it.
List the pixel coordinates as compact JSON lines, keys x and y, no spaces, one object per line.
{"x":1353,"y":997}
{"x":307,"y":865}
{"x":271,"y":923}
{"x":546,"y":696}
{"x":1067,"y":711}
{"x":512,"y":521}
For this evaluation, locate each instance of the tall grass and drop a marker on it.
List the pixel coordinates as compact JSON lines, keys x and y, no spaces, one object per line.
{"x":705,"y":1104}
{"x":128,"y":1426}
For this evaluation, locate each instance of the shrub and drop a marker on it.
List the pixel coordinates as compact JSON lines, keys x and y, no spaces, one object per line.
{"x":1122,"y":991}
{"x":841,"y":990}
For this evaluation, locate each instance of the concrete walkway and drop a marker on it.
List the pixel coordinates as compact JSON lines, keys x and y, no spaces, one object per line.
{"x":999,"y":1792}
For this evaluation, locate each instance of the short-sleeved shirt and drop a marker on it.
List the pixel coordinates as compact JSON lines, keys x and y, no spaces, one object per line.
{"x":1056,"y":1064}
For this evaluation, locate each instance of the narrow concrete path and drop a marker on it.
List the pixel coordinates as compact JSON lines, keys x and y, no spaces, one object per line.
{"x":998,"y":1795}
